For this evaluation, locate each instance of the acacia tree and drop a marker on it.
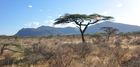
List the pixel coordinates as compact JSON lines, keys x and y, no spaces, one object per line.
{"x":109,"y":31}
{"x":4,"y":46}
{"x":82,"y":21}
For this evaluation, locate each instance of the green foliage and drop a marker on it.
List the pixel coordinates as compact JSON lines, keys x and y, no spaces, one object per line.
{"x":122,"y":34}
{"x":19,"y":46}
{"x":97,"y":34}
{"x":50,"y":36}
{"x":5,"y":43}
{"x":67,"y":18}
{"x":103,"y":17}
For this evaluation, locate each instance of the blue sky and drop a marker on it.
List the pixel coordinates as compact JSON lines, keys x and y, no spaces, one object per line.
{"x":17,"y":14}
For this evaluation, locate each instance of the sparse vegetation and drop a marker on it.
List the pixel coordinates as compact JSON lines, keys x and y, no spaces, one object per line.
{"x":50,"y":36}
{"x":69,"y":51}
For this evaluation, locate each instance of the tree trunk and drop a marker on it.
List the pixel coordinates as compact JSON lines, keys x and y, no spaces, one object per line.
{"x":82,"y":35}
{"x":2,"y":49}
{"x":108,"y":37}
{"x":82,"y":32}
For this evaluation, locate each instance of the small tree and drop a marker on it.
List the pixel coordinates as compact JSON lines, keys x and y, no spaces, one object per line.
{"x":82,"y":21}
{"x":2,"y":48}
{"x":4,"y":45}
{"x":109,"y":31}
{"x":136,"y":33}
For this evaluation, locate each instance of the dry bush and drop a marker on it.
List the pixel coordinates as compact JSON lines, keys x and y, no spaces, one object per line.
{"x":68,"y":51}
{"x":136,"y":41}
{"x":124,"y":36}
{"x":36,"y":53}
{"x":98,"y":40}
{"x":62,"y":57}
{"x":65,"y":54}
{"x":108,"y":56}
{"x":117,"y":42}
{"x":133,"y":62}
{"x":82,"y":49}
{"x":119,"y":54}
{"x":8,"y":60}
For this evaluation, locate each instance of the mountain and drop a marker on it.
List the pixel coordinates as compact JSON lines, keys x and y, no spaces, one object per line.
{"x":122,"y":27}
{"x":47,"y":30}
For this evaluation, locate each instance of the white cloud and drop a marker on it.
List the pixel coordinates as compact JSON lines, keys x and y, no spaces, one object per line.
{"x":33,"y":24}
{"x":119,"y":5}
{"x":66,"y":25}
{"x":49,"y":22}
{"x":105,"y":13}
{"x":30,"y":6}
{"x":46,"y":22}
{"x":52,"y":21}
{"x":36,"y":23}
{"x":59,"y":15}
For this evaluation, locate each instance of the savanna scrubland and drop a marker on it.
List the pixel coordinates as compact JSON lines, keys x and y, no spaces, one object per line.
{"x":121,"y":50}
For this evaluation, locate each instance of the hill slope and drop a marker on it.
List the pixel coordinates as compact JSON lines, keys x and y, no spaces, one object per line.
{"x":47,"y":30}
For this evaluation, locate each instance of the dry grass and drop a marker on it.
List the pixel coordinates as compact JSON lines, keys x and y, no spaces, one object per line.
{"x":68,"y":51}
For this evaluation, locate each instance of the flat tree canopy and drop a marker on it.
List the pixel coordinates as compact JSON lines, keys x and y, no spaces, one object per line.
{"x":82,"y":21}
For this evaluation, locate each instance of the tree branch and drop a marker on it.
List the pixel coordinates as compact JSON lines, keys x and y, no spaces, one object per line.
{"x":76,"y":22}
{"x":94,"y":22}
{"x":12,"y":50}
{"x":86,"y":26}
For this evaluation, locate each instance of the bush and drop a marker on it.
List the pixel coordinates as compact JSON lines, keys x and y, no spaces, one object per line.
{"x":36,"y":53}
{"x":3,"y":45}
{"x":97,"y":35}
{"x":82,"y":49}
{"x":133,"y":62}
{"x":50,"y":36}
{"x":136,"y":41}
{"x":62,"y":56}
{"x":8,"y":60}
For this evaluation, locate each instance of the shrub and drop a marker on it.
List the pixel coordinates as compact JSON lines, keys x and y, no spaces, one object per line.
{"x":50,"y":36}
{"x":8,"y":60}
{"x":3,"y":45}
{"x":97,"y":35}
{"x":62,"y":56}
{"x":133,"y":62}
{"x":136,"y":41}
{"x":82,"y":49}
{"x":36,"y":53}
